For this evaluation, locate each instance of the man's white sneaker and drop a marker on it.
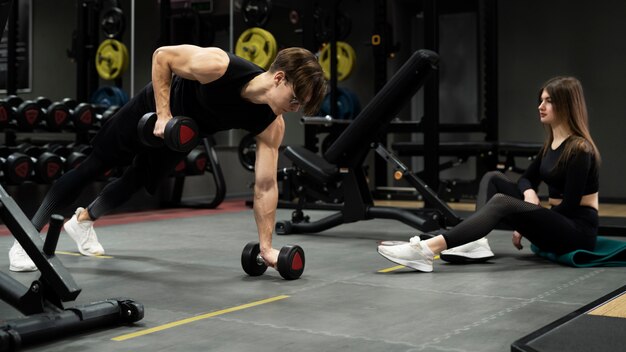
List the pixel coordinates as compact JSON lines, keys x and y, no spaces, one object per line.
{"x":411,"y":254}
{"x":19,"y":260}
{"x":473,"y":252}
{"x":84,"y":235}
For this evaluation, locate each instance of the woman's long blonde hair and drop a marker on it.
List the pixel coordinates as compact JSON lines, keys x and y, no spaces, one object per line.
{"x":568,"y":102}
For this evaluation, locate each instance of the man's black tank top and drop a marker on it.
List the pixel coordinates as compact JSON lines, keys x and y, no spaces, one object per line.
{"x":218,"y":105}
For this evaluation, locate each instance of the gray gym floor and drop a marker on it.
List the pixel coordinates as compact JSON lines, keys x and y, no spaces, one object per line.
{"x":184,"y":268}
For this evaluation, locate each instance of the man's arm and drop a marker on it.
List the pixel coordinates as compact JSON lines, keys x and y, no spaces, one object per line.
{"x":265,"y":186}
{"x":187,"y":61}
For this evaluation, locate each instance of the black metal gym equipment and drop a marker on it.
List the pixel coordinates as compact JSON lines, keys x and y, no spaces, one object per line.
{"x":42,"y":301}
{"x":341,"y":169}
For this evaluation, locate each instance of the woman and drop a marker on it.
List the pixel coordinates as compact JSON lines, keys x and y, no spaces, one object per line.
{"x":568,"y":163}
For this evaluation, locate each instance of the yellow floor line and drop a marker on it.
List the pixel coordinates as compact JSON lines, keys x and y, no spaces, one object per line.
{"x":393,"y":268}
{"x":80,"y":255}
{"x":397,"y":267}
{"x":196,"y":318}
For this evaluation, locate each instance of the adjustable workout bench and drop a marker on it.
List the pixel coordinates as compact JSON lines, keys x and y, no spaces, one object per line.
{"x":339,"y":176}
{"x":42,"y":301}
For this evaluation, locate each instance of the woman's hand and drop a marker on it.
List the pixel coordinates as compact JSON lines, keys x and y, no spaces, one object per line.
{"x":517,"y":240}
{"x":531,"y":196}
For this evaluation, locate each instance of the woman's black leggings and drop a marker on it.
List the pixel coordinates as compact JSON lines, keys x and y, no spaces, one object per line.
{"x":499,"y":200}
{"x":68,"y":188}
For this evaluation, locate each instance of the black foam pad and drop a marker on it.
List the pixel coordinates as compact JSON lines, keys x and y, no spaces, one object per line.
{"x":384,"y":106}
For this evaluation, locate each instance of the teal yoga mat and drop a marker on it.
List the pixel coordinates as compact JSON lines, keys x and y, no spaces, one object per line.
{"x":608,"y":252}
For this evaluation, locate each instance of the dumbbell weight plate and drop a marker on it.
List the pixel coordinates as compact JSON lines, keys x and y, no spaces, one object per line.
{"x":70,"y":103}
{"x":196,"y":162}
{"x":17,"y":168}
{"x":28,"y":115}
{"x":181,"y":134}
{"x":83,"y":117}
{"x":48,"y":167}
{"x":56,"y":116}
{"x":291,"y":262}
{"x":73,"y":160}
{"x":7,"y":114}
{"x":145,"y":130}
{"x":249,"y":261}
{"x":43,"y":102}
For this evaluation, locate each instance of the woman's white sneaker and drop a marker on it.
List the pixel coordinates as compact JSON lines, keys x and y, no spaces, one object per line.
{"x":84,"y":235}
{"x":411,"y":254}
{"x":474,"y":252}
{"x":19,"y":260}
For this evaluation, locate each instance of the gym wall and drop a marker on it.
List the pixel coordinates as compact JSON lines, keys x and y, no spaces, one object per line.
{"x":542,"y":39}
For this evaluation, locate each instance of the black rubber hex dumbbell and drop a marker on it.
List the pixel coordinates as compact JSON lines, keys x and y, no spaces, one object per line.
{"x":196,"y":161}
{"x":8,"y":110}
{"x":55,"y":114}
{"x":290,"y":261}
{"x":48,"y":166}
{"x":22,"y":115}
{"x":71,"y":158}
{"x":181,"y":133}
{"x":82,"y":116}
{"x":16,"y":167}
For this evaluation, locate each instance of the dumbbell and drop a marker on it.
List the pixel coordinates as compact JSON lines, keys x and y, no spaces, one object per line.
{"x":55,"y":114}
{"x":181,"y":133}
{"x":23,"y":115}
{"x":82,"y":116}
{"x":48,"y":166}
{"x":194,"y":164}
{"x":16,"y":167}
{"x":107,"y":114}
{"x":196,"y":161}
{"x":70,"y":157}
{"x":8,"y":110}
{"x":290,"y":261}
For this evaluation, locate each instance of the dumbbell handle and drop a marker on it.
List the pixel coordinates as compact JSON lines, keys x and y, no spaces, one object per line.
{"x":317,"y":120}
{"x":259,"y":260}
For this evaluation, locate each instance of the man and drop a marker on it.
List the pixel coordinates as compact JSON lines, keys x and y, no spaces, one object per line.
{"x":220,"y":91}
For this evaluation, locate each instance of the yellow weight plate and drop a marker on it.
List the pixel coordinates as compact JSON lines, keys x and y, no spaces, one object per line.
{"x":257,"y":46}
{"x":111,"y":59}
{"x":346,"y":60}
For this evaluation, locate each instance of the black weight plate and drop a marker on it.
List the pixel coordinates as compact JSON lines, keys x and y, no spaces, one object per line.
{"x":17,"y":168}
{"x":113,"y":22}
{"x":256,"y":13}
{"x":249,"y":260}
{"x":48,"y":167}
{"x":56,"y":116}
{"x":181,"y":134}
{"x":28,"y":115}
{"x":291,"y":262}
{"x":83,"y":116}
{"x":145,"y":130}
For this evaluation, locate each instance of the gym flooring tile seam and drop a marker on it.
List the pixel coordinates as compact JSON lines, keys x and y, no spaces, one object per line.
{"x":293,"y":329}
{"x":229,"y":206}
{"x":197,"y":318}
{"x":511,"y":309}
